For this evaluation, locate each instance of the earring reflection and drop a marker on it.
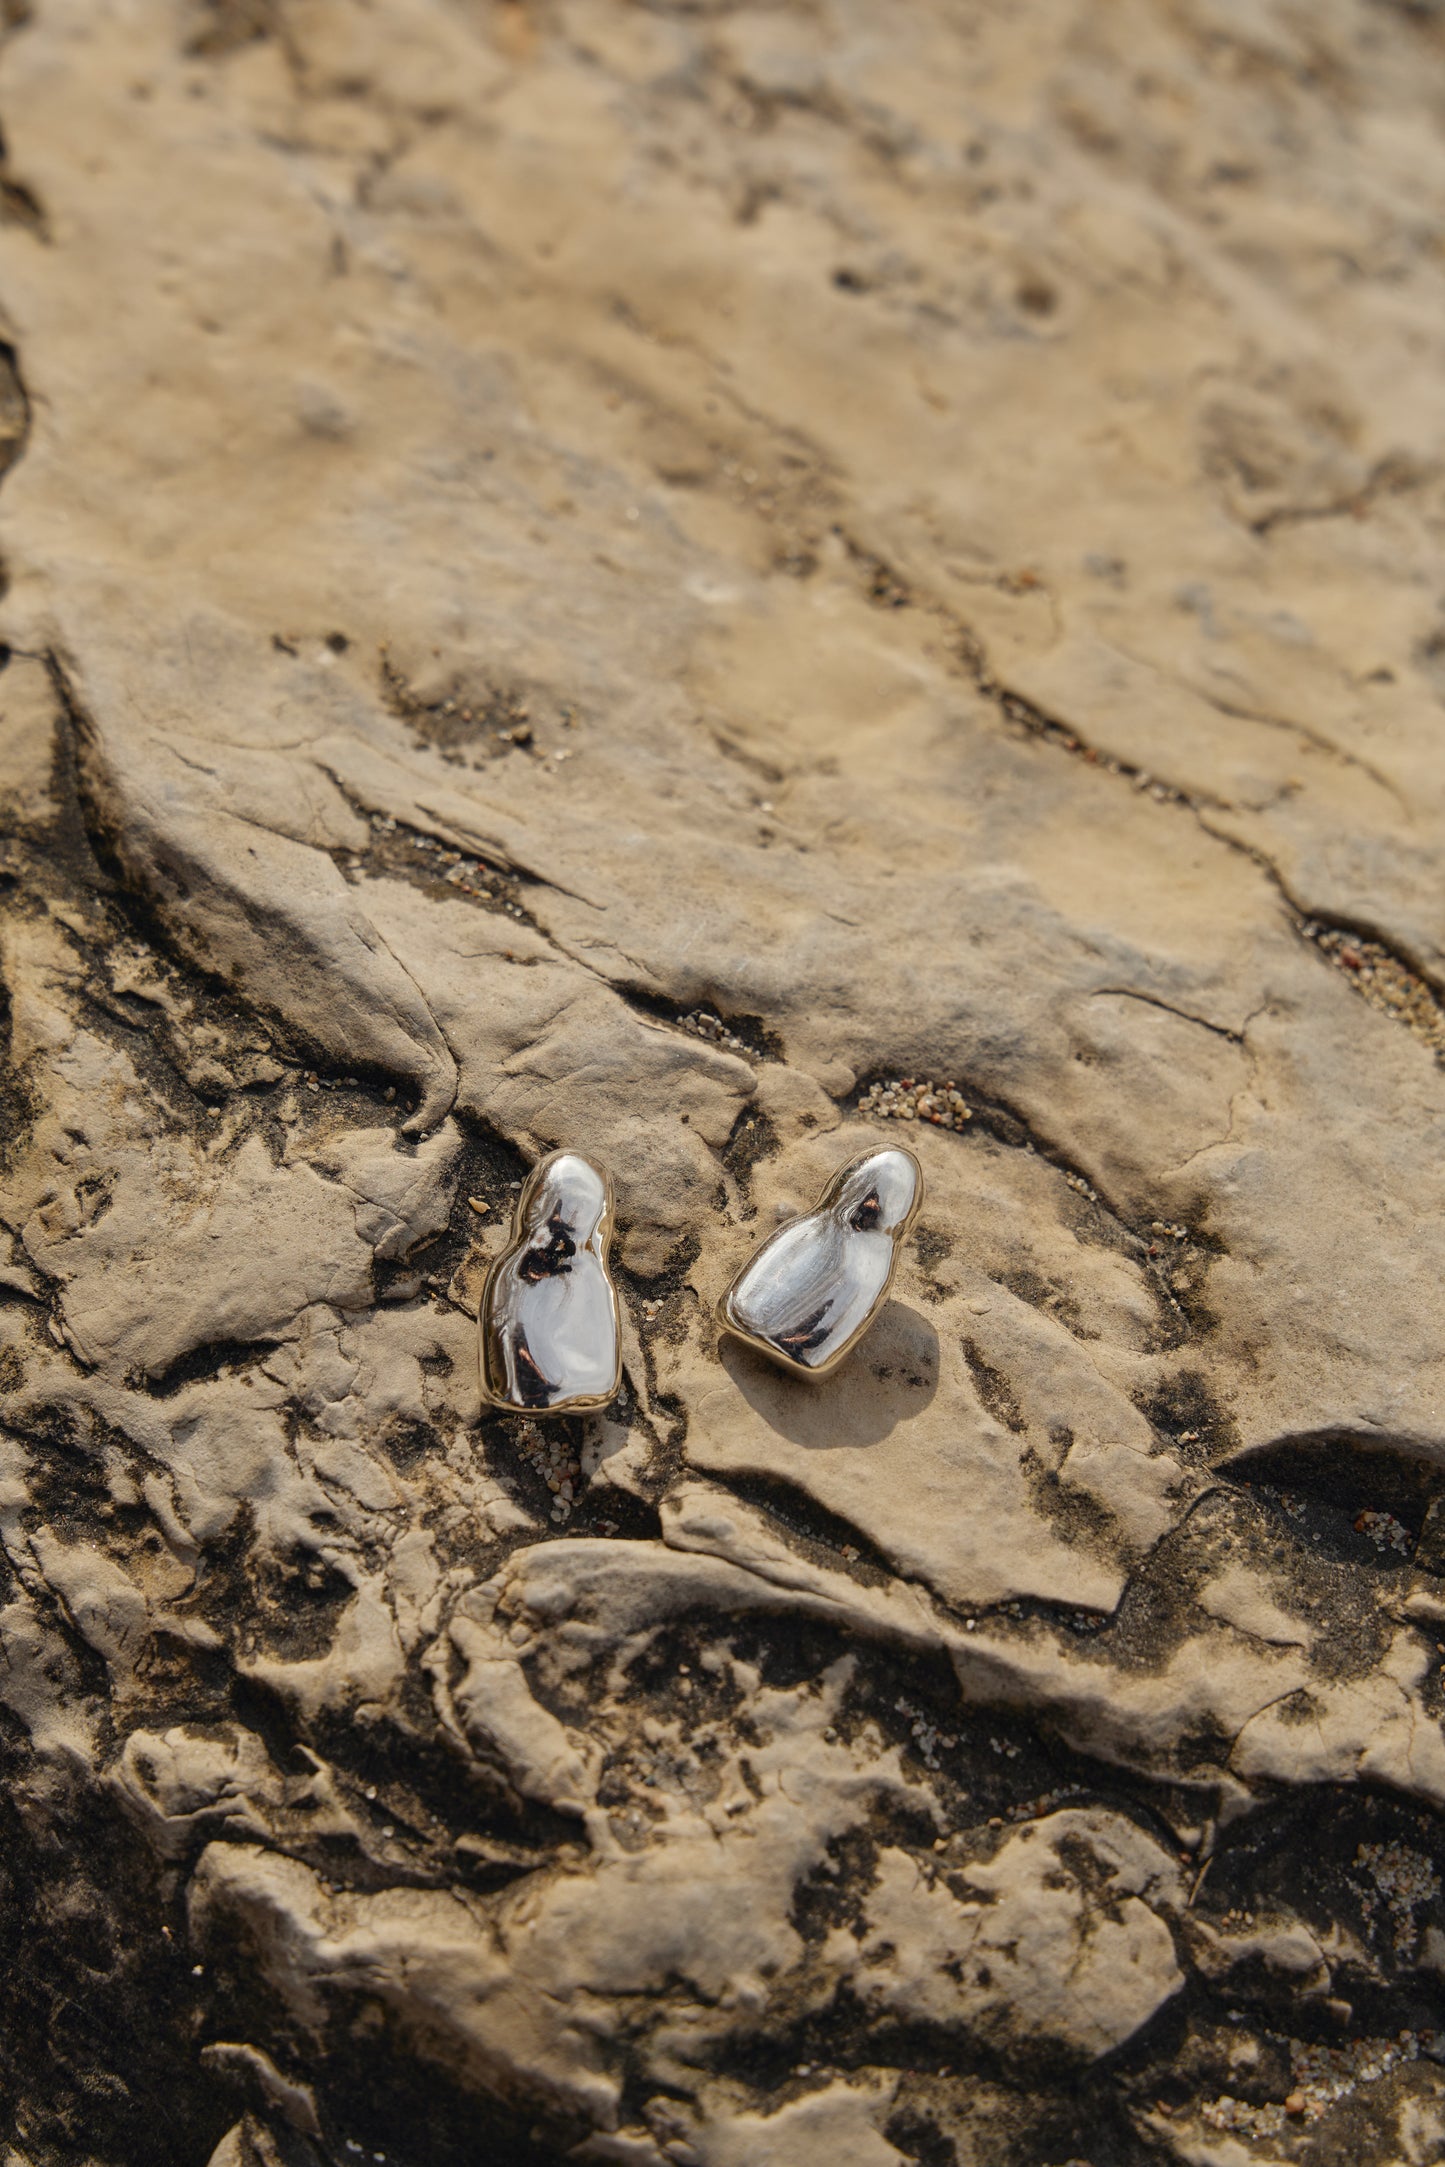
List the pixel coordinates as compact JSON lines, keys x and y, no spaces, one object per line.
{"x":815,"y":1286}
{"x":548,"y":1325}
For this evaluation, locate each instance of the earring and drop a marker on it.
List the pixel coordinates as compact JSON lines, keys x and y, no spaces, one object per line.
{"x":549,"y":1336}
{"x":810,"y":1293}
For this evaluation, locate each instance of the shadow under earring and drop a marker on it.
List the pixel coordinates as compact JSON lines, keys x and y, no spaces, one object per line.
{"x":810,"y":1293}
{"x":548,"y":1323}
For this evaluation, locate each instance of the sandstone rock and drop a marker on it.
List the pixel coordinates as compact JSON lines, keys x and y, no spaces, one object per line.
{"x":1019,"y":1952}
{"x":836,"y":2124}
{"x":685,"y":582}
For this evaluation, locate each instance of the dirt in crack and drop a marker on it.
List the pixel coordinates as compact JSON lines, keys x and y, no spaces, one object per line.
{"x":1383,"y":979}
{"x":397,"y":851}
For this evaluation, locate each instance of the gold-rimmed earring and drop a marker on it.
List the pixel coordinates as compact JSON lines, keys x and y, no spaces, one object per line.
{"x":550,"y":1343}
{"x":810,"y":1293}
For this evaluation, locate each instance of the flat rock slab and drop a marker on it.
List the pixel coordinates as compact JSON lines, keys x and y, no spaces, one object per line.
{"x":721,"y":588}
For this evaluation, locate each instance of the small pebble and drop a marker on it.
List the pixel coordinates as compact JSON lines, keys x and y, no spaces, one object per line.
{"x":905,"y":1098}
{"x":1385,"y":982}
{"x":701,"y":1023}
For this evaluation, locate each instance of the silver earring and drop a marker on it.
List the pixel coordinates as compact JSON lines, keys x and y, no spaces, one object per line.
{"x":549,"y":1336}
{"x":810,"y":1293}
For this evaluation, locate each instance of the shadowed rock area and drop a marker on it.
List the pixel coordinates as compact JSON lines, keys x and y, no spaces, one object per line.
{"x":719,"y":586}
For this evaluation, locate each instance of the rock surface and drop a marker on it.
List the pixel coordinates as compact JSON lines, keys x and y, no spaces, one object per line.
{"x":717,"y":586}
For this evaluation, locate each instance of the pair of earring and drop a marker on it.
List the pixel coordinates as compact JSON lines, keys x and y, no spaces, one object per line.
{"x":549,"y":1323}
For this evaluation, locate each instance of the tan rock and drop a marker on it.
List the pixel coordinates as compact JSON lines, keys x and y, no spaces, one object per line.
{"x":1053,"y":1939}
{"x":620,"y":577}
{"x":835,"y":2125}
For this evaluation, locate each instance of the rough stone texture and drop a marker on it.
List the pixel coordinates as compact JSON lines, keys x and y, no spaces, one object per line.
{"x":613,"y":574}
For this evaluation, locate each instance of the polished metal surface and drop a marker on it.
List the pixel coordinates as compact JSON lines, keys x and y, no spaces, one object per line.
{"x":815,"y":1286}
{"x":549,"y":1341}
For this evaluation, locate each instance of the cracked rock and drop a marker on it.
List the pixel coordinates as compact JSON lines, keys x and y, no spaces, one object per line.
{"x":715,"y":586}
